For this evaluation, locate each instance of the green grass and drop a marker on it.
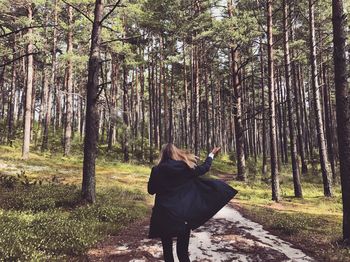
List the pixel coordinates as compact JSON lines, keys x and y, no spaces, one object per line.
{"x":48,"y":221}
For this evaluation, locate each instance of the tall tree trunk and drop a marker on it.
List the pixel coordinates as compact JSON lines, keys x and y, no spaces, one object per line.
{"x":264,"y":135}
{"x":28,"y":91}
{"x":47,"y":117}
{"x":69,"y":89}
{"x":317,"y":103}
{"x":171,"y":104}
{"x":150,"y":104}
{"x":343,"y":108}
{"x":125,"y":115}
{"x":304,"y":114}
{"x":113,"y":99}
{"x":186,"y":109}
{"x":237,"y":90}
{"x":292,"y":138}
{"x":143,"y":122}
{"x":328,"y":122}
{"x":91,"y":126}
{"x":280,"y":128}
{"x":207,"y":109}
{"x":11,"y":101}
{"x":272,"y":107}
{"x":196,"y":99}
{"x":297,"y":102}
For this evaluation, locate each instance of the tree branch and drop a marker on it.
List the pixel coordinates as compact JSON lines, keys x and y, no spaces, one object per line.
{"x":110,"y":11}
{"x":25,"y":28}
{"x":77,"y":9}
{"x":101,"y":89}
{"x":121,"y":39}
{"x":17,"y":58}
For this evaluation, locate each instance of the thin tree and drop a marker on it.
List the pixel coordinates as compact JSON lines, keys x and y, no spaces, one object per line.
{"x":292,"y":136}
{"x":272,"y":106}
{"x":237,"y":89}
{"x":125,"y":114}
{"x":47,"y":117}
{"x":264,"y":133}
{"x":69,"y":96}
{"x":317,"y":104}
{"x":28,"y":90}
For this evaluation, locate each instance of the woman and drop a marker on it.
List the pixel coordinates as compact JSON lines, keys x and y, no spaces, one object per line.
{"x":184,"y":201}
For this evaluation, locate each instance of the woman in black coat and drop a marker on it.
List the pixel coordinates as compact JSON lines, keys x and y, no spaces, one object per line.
{"x":184,"y":200}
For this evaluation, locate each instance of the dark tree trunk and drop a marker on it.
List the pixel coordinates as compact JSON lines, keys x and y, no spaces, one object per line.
{"x":125,"y":115}
{"x":264,"y":134}
{"x":292,"y":138}
{"x":196,"y":99}
{"x":150,"y":104}
{"x":91,"y":126}
{"x":343,"y":109}
{"x":328,"y":122}
{"x":186,"y":109}
{"x":143,"y":121}
{"x":207,"y":140}
{"x":297,"y":102}
{"x":280,"y":129}
{"x":272,"y":107}
{"x":327,"y":185}
{"x":237,"y":90}
{"x":170,"y":120}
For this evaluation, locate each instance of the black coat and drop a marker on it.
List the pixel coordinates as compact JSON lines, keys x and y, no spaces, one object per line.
{"x":183,"y":198}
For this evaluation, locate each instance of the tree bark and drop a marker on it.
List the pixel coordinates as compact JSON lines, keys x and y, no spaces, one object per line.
{"x":291,"y":117}
{"x":237,"y":90}
{"x":11,"y":101}
{"x":272,"y":107}
{"x":264,"y":135}
{"x":327,"y":185}
{"x":47,"y":117}
{"x":69,"y":96}
{"x":28,"y":92}
{"x":91,"y":126}
{"x":298,"y":105}
{"x":328,"y":122}
{"x":342,"y":108}
{"x":125,"y":115}
{"x":186,"y":109}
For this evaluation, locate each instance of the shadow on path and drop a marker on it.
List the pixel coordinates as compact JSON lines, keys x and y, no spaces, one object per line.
{"x":228,"y":236}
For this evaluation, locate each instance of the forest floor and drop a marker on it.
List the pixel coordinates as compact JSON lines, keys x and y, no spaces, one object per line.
{"x":117,"y":224}
{"x":228,"y":236}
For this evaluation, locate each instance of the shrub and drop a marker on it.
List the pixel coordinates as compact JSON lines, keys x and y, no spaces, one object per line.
{"x":60,"y":234}
{"x":40,"y":197}
{"x":18,"y":241}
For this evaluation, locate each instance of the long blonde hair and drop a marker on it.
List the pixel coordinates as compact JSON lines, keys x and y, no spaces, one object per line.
{"x":170,"y":151}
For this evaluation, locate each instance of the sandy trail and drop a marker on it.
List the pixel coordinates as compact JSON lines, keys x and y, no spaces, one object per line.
{"x":228,"y":236}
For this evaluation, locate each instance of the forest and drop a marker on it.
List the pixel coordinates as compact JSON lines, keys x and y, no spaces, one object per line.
{"x":90,"y":90}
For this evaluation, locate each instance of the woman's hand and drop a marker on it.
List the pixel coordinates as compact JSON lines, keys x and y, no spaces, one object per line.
{"x":216,"y":150}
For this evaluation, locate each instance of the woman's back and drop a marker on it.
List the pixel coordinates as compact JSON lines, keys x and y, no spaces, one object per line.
{"x":170,"y":174}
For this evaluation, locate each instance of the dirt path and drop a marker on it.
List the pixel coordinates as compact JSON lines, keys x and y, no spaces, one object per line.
{"x":228,"y":236}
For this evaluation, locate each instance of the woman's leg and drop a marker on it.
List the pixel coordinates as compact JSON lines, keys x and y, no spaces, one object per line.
{"x":182,"y":246}
{"x":167,"y":243}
